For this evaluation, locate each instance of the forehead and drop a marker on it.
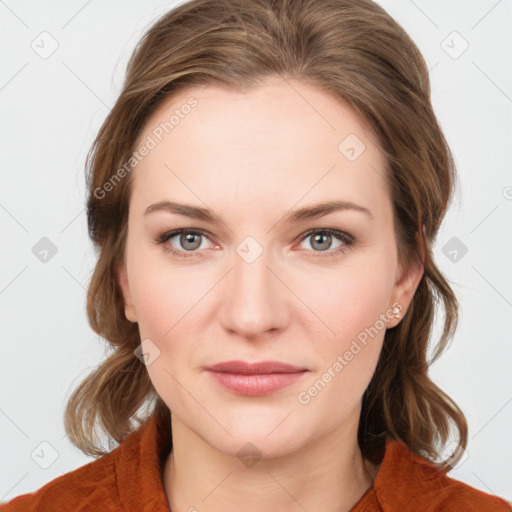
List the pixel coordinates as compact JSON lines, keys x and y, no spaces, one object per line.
{"x":281,"y":137}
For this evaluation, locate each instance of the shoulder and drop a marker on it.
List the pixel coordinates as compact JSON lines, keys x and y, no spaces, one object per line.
{"x":454,"y":495}
{"x":408,"y":482}
{"x":127,"y":478}
{"x":89,"y":487}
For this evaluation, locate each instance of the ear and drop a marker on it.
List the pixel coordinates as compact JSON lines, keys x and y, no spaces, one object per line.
{"x":122,"y":278}
{"x":406,"y":283}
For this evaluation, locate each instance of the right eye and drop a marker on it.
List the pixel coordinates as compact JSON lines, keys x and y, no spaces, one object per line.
{"x":188,"y":239}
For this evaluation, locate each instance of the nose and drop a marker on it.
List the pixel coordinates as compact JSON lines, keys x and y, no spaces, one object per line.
{"x":255,"y":301}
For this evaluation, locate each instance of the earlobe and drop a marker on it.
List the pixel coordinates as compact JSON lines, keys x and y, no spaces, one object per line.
{"x":122,"y":278}
{"x":404,"y":291}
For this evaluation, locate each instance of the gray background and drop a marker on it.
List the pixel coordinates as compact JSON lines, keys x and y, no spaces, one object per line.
{"x":53,"y":105}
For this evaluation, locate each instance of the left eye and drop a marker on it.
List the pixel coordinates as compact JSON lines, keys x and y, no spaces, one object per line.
{"x":322,"y":237}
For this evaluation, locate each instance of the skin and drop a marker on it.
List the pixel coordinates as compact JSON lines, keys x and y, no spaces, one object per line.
{"x":251,"y":158}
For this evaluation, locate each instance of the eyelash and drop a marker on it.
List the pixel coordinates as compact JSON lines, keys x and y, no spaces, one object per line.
{"x":347,"y":239}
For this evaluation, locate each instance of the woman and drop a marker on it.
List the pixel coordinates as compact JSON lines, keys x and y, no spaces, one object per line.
{"x":264,"y":197}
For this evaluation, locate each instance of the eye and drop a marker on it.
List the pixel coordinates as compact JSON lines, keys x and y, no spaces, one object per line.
{"x":321,"y":240}
{"x":188,"y":239}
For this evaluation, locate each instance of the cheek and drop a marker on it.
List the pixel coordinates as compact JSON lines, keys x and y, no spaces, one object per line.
{"x":165,"y":297}
{"x":167,"y":309}
{"x":355,"y":311}
{"x":346,"y":304}
{"x":352,"y":317}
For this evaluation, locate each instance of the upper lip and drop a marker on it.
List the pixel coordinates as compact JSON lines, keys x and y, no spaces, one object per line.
{"x":241,"y":367}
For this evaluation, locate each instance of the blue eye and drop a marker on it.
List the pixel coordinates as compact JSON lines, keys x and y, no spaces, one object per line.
{"x":190,"y":241}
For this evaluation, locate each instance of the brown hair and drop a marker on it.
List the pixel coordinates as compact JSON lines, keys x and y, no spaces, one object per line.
{"x":353,"y":50}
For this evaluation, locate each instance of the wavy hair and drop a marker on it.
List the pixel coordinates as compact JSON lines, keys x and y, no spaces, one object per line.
{"x":354,"y":51}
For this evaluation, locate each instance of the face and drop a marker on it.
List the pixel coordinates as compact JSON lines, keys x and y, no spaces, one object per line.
{"x":259,"y":283}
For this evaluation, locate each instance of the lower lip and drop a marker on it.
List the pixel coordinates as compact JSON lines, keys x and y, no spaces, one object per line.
{"x":255,"y":385}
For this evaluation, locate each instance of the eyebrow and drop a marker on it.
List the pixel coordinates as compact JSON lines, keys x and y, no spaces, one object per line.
{"x":309,"y":212}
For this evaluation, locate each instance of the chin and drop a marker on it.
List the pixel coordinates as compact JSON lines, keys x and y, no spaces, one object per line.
{"x":252,"y":449}
{"x":259,"y":441}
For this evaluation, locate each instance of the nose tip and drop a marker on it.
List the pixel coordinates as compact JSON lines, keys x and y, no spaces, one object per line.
{"x":252,"y":303}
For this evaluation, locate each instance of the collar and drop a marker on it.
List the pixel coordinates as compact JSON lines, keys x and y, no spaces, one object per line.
{"x":140,"y":463}
{"x":409,"y":482}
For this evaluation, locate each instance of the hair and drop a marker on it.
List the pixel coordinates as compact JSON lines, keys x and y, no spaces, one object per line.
{"x":356,"y":52}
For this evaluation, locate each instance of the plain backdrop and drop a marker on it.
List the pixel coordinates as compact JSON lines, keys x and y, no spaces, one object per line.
{"x":62,"y":66}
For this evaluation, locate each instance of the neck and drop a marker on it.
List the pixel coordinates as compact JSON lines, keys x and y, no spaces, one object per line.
{"x":329,"y":474}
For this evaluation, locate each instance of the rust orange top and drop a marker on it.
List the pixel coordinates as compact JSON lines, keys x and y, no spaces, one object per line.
{"x":129,"y":478}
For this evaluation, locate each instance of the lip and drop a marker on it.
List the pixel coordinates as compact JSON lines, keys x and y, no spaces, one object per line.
{"x":255,"y":379}
{"x":258,"y":368}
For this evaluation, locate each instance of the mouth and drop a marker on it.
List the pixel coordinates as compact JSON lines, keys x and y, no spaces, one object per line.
{"x":255,"y":379}
{"x":258,"y":368}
